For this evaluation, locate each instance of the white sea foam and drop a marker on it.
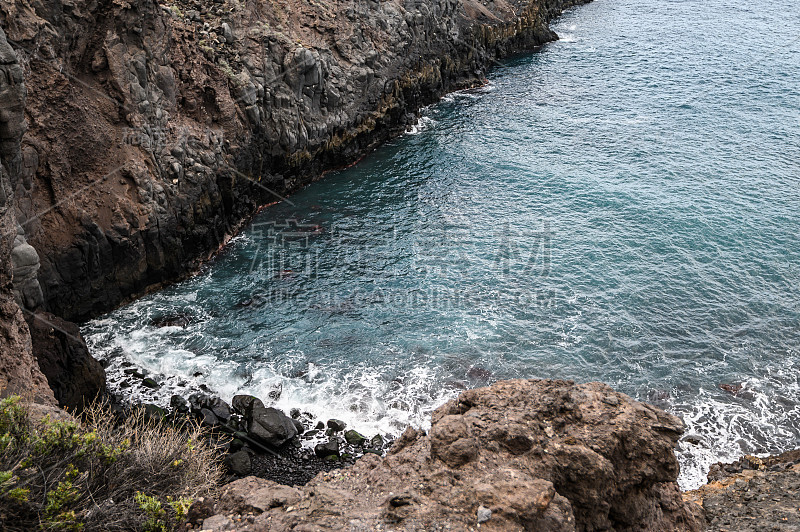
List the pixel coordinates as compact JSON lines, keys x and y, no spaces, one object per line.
{"x":424,"y":123}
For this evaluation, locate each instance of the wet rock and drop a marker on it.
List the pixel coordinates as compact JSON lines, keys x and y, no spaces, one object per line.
{"x":244,"y":404}
{"x":328,"y":448}
{"x":275,"y":393}
{"x":179,"y":404}
{"x":208,"y":418}
{"x":354,"y":438}
{"x":135,"y":372}
{"x":151,"y":383}
{"x":299,"y":426}
{"x":270,"y":426}
{"x":238,"y":463}
{"x":336,"y":425}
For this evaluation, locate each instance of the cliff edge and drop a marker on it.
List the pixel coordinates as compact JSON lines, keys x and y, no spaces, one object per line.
{"x":518,"y":455}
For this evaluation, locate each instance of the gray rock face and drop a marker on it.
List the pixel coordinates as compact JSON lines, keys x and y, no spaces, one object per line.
{"x":270,"y":426}
{"x":25,"y":263}
{"x":74,"y":376}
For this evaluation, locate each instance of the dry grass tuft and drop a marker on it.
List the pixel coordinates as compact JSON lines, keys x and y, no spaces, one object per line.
{"x":99,"y":474}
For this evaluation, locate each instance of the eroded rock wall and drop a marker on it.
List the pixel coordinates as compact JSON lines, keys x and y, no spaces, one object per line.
{"x":157,"y":127}
{"x":19,"y":372}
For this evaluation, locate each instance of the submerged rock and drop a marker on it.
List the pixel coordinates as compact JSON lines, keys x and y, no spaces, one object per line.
{"x":175,"y":320}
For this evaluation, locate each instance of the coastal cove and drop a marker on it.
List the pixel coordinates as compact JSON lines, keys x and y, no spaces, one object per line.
{"x":618,"y":207}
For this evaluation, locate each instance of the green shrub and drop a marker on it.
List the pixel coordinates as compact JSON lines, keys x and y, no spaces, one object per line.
{"x":99,"y":474}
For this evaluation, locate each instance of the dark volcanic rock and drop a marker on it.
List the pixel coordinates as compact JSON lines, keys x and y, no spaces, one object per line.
{"x":19,"y":372}
{"x":220,"y":408}
{"x":208,"y":418}
{"x":74,"y":376}
{"x":238,"y":463}
{"x":270,"y":426}
{"x":354,"y":438}
{"x":244,"y":404}
{"x":179,"y":404}
{"x":596,"y":460}
{"x":177,"y":320}
{"x":336,"y":425}
{"x":329,"y":448}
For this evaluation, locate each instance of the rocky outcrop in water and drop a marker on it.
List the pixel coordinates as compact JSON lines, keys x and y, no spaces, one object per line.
{"x":19,"y":372}
{"x":518,"y":455}
{"x":157,"y":127}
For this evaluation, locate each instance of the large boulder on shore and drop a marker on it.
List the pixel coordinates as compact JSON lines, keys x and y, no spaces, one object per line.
{"x":518,"y":455}
{"x":270,"y":426}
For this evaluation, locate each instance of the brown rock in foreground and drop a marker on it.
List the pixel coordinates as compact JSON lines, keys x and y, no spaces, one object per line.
{"x":518,"y":455}
{"x":751,"y":494}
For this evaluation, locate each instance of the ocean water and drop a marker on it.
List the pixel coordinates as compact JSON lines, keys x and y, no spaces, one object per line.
{"x":621,"y":206}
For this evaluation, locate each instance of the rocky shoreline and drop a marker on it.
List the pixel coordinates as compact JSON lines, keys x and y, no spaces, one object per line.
{"x":517,"y":455}
{"x":262,"y":441}
{"x":137,"y":137}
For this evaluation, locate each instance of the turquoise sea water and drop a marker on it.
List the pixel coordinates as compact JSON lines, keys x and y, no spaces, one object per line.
{"x":621,"y":206}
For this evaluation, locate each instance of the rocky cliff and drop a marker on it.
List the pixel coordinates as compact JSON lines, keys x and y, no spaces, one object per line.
{"x":519,"y":455}
{"x":19,"y":372}
{"x":156,"y":127}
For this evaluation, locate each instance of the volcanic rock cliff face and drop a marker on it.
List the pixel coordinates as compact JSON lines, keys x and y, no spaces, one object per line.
{"x":19,"y":372}
{"x":518,"y":455}
{"x":156,"y":127}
